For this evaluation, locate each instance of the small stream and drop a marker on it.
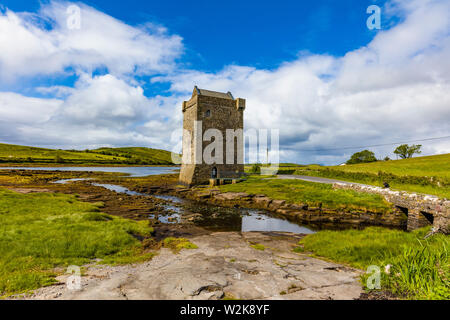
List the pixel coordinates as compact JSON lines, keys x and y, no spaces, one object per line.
{"x":248,"y":219}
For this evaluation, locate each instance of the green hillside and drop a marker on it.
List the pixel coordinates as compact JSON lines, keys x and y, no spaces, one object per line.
{"x":14,"y":154}
{"x":431,"y":166}
{"x":159,"y":156}
{"x":429,"y":174}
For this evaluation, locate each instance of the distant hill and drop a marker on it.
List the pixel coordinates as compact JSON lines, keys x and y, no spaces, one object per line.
{"x":147,"y":154}
{"x":117,"y":156}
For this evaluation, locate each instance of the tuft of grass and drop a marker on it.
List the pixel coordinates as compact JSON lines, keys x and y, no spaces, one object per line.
{"x":229,"y":297}
{"x":419,"y":269}
{"x":42,"y":231}
{"x":311,"y":193}
{"x":258,"y":246}
{"x":178,"y":244}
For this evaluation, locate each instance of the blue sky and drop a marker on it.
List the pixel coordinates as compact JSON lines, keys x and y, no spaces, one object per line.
{"x":311,"y":69}
{"x":254,"y":33}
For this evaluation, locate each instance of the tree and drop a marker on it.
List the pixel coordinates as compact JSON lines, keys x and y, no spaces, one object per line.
{"x":362,"y":157}
{"x":405,"y":151}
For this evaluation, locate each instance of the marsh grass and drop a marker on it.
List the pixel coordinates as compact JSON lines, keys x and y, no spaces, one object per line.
{"x":43,"y":231}
{"x":178,"y":244}
{"x":311,"y":193}
{"x":258,"y":246}
{"x":420,"y":269}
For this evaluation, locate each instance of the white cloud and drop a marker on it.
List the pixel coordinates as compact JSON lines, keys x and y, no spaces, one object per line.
{"x":99,"y":111}
{"x":104,"y":99}
{"x":17,"y":112}
{"x":15,"y":108}
{"x":29,"y":47}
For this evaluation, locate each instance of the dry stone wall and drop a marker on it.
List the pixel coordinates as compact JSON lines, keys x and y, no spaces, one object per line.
{"x":422,"y":210}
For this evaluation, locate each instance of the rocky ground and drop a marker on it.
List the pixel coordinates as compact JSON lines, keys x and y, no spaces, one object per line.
{"x":123,"y":205}
{"x":224,"y":266}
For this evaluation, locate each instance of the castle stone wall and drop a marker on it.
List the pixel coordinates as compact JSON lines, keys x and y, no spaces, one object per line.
{"x":214,"y":112}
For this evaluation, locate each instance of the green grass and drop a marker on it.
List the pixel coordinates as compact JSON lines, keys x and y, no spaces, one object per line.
{"x":39,"y":232}
{"x":431,"y":166}
{"x":420,"y":269}
{"x":258,"y":246}
{"x":178,"y":244}
{"x":429,"y":175}
{"x":313,"y":194}
{"x":150,"y":156}
{"x":30,"y":155}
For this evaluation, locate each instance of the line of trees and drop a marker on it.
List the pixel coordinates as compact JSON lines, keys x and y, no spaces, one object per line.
{"x":404,"y":151}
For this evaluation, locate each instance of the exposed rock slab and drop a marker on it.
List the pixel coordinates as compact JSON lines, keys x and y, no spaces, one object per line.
{"x":224,"y":265}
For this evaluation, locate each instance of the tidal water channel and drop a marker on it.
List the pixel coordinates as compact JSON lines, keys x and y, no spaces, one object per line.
{"x":216,"y":218}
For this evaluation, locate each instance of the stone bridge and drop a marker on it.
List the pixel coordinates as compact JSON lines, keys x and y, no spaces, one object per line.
{"x":421,"y":210}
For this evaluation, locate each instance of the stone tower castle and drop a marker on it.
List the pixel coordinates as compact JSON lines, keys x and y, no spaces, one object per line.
{"x":221,"y":112}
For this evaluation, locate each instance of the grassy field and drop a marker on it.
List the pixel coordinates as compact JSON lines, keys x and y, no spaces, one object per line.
{"x":313,"y":194}
{"x":431,"y":166}
{"x":43,"y":231}
{"x":129,"y":156}
{"x":429,"y":175}
{"x":419,"y":269}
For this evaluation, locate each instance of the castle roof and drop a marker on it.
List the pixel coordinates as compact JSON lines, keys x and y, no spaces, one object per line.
{"x":215,"y":94}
